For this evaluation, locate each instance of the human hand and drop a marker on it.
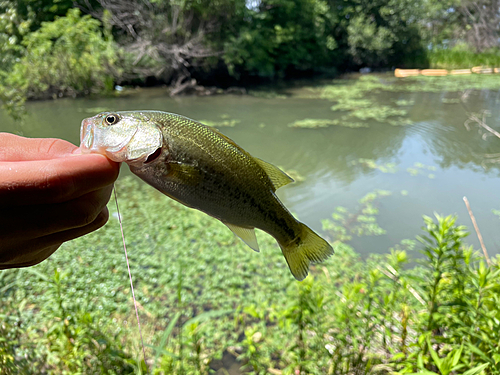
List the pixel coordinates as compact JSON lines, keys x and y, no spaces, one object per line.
{"x":49,"y":194}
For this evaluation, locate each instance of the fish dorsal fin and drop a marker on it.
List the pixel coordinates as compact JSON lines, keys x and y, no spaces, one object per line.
{"x":246,"y":234}
{"x":276,"y":175}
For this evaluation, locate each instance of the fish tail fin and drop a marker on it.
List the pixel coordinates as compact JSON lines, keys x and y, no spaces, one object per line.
{"x":306,"y":248}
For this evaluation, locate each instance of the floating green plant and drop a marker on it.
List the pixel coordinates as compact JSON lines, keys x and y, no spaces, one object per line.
{"x":357,"y":97}
{"x":377,"y":113}
{"x":404,"y":103}
{"x":423,"y":166}
{"x":266,"y":94}
{"x":353,"y":99}
{"x":450,"y":100}
{"x":399,"y":122}
{"x":93,"y":109}
{"x":310,"y":123}
{"x":372,"y":164}
{"x":363,"y":222}
{"x":412,"y":171}
{"x":225,"y":123}
{"x":451,"y":83}
{"x":420,"y":168}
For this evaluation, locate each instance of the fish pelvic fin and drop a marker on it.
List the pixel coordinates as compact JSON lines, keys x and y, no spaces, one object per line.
{"x":277,"y":176}
{"x":307,"y":248}
{"x":247,"y":235}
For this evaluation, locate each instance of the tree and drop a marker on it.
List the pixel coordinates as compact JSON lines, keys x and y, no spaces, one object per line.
{"x":168,"y":39}
{"x":282,"y":36}
{"x":382,"y":32}
{"x":482,"y":23}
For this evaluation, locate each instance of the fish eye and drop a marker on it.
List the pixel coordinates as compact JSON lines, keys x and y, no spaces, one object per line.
{"x":111,"y":119}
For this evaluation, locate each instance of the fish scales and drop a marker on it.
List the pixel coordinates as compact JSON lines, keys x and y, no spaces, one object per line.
{"x":203,"y":169}
{"x":221,"y":189}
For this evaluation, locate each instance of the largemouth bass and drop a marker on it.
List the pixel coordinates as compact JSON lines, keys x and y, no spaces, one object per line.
{"x":203,"y":169}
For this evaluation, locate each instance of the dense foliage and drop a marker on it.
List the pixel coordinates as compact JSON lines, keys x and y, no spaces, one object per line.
{"x":49,"y":47}
{"x":203,"y":296}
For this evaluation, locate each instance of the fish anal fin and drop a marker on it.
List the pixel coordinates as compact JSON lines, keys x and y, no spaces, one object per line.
{"x":276,"y":175}
{"x":307,"y":248}
{"x":247,"y":235}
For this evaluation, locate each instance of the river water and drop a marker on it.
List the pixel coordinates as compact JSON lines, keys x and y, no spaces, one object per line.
{"x":428,"y":165}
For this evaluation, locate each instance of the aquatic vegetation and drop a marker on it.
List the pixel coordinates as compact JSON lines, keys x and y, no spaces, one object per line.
{"x":357,"y":99}
{"x":313,"y":123}
{"x":221,"y":124}
{"x":225,"y":121}
{"x":94,"y":109}
{"x":404,"y":102}
{"x":362,"y":222}
{"x":447,"y":83}
{"x":309,"y":123}
{"x":420,"y":168}
{"x":370,"y":163}
{"x":379,"y":113}
{"x":400,"y":122}
{"x":267,"y":94}
{"x":450,"y":100}
{"x":349,"y":90}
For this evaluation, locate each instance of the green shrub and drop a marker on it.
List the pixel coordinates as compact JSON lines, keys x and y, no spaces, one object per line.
{"x":69,"y":56}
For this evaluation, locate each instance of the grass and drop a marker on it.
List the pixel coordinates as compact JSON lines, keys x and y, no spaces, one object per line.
{"x":462,"y":57}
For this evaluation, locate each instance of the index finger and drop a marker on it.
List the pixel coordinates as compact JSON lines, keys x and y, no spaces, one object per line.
{"x":17,"y":148}
{"x":56,"y":180}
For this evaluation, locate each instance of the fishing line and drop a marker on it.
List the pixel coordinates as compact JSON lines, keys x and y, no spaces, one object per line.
{"x":130,"y":275}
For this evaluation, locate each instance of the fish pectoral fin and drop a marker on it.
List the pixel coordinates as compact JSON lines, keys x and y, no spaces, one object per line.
{"x":246,"y":234}
{"x":276,"y":175}
{"x":185,"y":173}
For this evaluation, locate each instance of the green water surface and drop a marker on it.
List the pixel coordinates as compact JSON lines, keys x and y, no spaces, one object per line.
{"x":428,"y":164}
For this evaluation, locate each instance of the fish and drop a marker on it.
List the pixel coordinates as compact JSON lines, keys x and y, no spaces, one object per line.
{"x":203,"y":169}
